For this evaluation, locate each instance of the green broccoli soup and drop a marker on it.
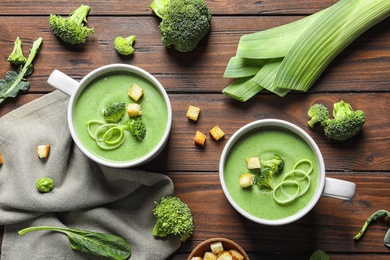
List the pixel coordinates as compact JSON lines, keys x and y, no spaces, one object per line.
{"x":265,"y":143}
{"x":113,"y":88}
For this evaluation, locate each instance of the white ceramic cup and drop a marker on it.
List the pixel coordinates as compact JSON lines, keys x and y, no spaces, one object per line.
{"x":330,"y":187}
{"x":73,"y":88}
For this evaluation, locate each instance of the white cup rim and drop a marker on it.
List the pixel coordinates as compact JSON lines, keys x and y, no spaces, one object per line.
{"x":295,"y":129}
{"x":97,"y":73}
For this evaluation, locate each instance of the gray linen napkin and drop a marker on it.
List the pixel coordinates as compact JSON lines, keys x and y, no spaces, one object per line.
{"x":86,"y":195}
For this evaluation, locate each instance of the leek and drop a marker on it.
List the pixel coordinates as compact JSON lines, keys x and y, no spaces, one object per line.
{"x":293,"y":56}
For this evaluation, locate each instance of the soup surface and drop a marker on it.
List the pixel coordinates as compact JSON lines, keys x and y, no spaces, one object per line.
{"x":111,"y":88}
{"x":266,"y":142}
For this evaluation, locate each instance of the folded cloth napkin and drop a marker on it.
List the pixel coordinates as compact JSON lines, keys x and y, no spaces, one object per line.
{"x":85,"y":196}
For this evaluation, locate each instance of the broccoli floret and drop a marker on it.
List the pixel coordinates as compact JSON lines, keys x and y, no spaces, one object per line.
{"x":184,"y":22}
{"x":269,"y":169}
{"x":346,"y":122}
{"x":124,"y":46}
{"x":44,"y":185}
{"x":72,"y":29}
{"x":174,"y":217}
{"x":318,"y":113}
{"x":137,"y":128}
{"x":114,"y":112}
{"x":16,"y":57}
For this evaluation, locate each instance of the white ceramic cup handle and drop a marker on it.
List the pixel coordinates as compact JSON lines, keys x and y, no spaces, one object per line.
{"x":339,"y":189}
{"x":63,"y":82}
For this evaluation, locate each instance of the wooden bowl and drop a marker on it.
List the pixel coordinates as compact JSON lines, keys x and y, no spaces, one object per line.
{"x":228,"y":244}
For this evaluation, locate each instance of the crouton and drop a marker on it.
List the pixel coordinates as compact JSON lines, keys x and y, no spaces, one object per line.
{"x":43,"y":150}
{"x":196,"y":258}
{"x":216,"y":247}
{"x":216,"y":133}
{"x":134,"y":110}
{"x":247,"y":180}
{"x":193,"y":113}
{"x":236,"y":255}
{"x":225,"y":256}
{"x":209,"y":256}
{"x":1,"y":159}
{"x":135,"y":92}
{"x":253,"y":163}
{"x":200,"y":139}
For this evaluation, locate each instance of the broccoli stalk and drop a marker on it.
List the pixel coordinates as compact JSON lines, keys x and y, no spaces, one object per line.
{"x":174,"y":217}
{"x":124,"y":45}
{"x":184,"y":22}
{"x":16,"y":57}
{"x":72,"y":29}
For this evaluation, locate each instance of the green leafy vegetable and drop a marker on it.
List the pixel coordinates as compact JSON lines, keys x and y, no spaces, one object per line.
{"x":319,"y":255}
{"x":44,"y":185}
{"x":94,"y":243}
{"x":293,"y":56}
{"x":16,"y":57}
{"x":15,"y":81}
{"x":378,"y":214}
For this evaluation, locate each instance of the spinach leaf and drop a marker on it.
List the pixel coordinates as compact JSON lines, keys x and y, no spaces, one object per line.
{"x":380,"y":213}
{"x":94,"y":243}
{"x":319,"y":255}
{"x":16,"y":81}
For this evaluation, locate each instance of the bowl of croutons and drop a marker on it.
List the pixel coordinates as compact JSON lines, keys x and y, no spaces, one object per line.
{"x":218,"y":249}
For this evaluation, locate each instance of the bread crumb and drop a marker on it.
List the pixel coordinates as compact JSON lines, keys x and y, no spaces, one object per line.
{"x":253,"y":163}
{"x":135,"y":92}
{"x":134,"y":110}
{"x":1,"y":159}
{"x":216,"y":133}
{"x":193,"y":113}
{"x":43,"y":150}
{"x":200,"y":139}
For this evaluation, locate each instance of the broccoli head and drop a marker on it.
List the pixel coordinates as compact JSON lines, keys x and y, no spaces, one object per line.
{"x":44,"y":185}
{"x":265,"y":179}
{"x":137,"y":128}
{"x":346,"y":122}
{"x":124,"y":45}
{"x":16,"y":57}
{"x":174,"y":217}
{"x":269,"y":169}
{"x":72,"y":29}
{"x":318,"y":113}
{"x":184,"y":22}
{"x":114,"y":112}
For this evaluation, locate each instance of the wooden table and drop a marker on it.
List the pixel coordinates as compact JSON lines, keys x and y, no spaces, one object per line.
{"x":359,"y":75}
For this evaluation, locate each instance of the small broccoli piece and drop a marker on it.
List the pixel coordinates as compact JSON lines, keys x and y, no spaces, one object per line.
{"x":184,"y":22}
{"x":318,"y":114}
{"x":124,"y":46}
{"x":174,"y":217}
{"x":72,"y":29}
{"x":16,"y":57}
{"x":265,"y":179}
{"x":44,"y":185}
{"x":269,"y":169}
{"x":114,"y":112}
{"x":346,"y":122}
{"x":137,"y":128}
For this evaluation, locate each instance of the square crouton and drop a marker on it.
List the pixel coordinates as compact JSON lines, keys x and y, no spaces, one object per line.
{"x":134,"y":110}
{"x":135,"y":92}
{"x":200,"y":139}
{"x":216,"y":133}
{"x":216,"y":247}
{"x":1,"y":159}
{"x":196,"y":258}
{"x":253,"y":163}
{"x":225,"y":256}
{"x":236,"y":255}
{"x":247,"y":180}
{"x":209,"y":256}
{"x":193,"y":113}
{"x":43,"y":150}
